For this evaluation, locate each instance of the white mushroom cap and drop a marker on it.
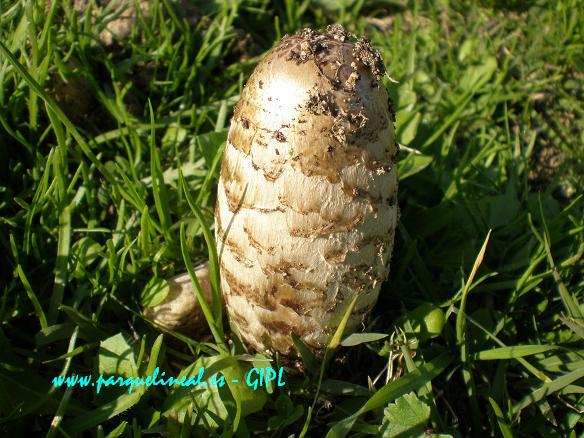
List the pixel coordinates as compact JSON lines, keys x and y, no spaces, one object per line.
{"x":306,"y":203}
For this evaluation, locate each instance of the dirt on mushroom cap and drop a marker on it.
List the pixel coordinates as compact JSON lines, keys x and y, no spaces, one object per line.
{"x":306,"y":206}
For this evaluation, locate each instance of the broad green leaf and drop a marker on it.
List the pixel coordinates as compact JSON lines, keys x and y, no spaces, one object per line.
{"x":476,"y":76}
{"x":499,"y":210}
{"x":407,"y":126}
{"x":214,"y":406}
{"x":413,"y":163}
{"x":116,"y":357}
{"x":406,"y":99}
{"x":466,"y":48}
{"x":251,"y":400}
{"x":407,"y":416}
{"x":410,"y":382}
{"x":286,"y":413}
{"x":155,"y":291}
{"x":115,"y":407}
{"x":210,"y":410}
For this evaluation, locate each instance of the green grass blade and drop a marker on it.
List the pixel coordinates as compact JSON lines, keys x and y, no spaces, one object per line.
{"x":336,"y":339}
{"x":49,"y":101}
{"x":213,"y":258}
{"x":464,"y":342}
{"x":158,"y":186}
{"x":503,"y":426}
{"x":547,"y":389}
{"x":63,"y":248}
{"x":32,"y":297}
{"x":512,"y":352}
{"x":333,"y":345}
{"x":211,"y":321}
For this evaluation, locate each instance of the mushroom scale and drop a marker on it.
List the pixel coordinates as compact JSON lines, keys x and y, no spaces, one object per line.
{"x":306,"y":205}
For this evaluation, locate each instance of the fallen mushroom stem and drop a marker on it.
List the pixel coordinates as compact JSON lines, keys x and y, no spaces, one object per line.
{"x":180,"y":310}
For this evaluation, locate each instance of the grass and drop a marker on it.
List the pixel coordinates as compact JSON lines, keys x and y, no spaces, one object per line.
{"x":110,"y":156}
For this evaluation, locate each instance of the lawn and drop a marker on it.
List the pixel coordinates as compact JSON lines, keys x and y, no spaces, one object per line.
{"x":110,"y":151}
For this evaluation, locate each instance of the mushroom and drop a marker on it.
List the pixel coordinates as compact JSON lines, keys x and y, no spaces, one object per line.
{"x":307,"y":196}
{"x":121,"y":16}
{"x":180,"y":310}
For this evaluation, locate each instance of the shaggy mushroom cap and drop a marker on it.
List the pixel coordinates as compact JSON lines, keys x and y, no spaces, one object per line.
{"x":306,"y":206}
